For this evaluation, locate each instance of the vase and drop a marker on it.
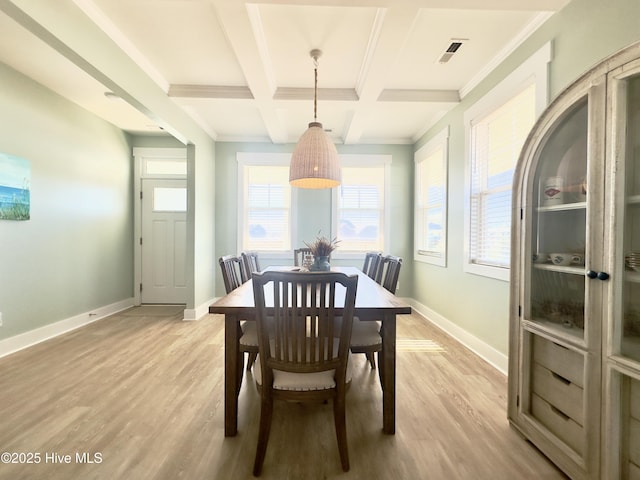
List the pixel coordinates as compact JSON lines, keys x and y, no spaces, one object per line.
{"x":321,"y":264}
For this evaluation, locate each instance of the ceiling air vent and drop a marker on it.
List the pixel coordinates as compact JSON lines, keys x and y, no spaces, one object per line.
{"x":453,"y":47}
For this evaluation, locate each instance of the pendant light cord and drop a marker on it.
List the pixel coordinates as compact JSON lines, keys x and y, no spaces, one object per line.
{"x":315,"y":91}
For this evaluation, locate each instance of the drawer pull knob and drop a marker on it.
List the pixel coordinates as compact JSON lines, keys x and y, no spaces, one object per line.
{"x":566,"y":381}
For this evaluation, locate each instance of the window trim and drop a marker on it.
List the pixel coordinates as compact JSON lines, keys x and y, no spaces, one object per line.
{"x":440,"y":140}
{"x":532,"y":70}
{"x":364,"y":161}
{"x":251,"y":159}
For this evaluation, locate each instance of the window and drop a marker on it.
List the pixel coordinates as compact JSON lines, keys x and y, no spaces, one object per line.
{"x":165,"y":166}
{"x":265,"y":203}
{"x":360,"y":203}
{"x":497,"y":127}
{"x":169,"y":199}
{"x":430,"y":221}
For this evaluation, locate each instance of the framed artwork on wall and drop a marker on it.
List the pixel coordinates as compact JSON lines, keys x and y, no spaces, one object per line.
{"x":15,"y":195}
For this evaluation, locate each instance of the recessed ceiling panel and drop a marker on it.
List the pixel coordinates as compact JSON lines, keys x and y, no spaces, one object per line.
{"x":229,"y":120}
{"x":334,"y":116}
{"x":485,"y":34}
{"x":182,"y":39}
{"x":342,"y":33}
{"x":401,"y":123}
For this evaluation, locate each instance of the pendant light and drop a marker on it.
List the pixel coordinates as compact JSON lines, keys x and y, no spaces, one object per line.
{"x":315,"y":162}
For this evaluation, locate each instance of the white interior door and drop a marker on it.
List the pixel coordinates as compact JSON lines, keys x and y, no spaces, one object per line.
{"x":164,"y":241}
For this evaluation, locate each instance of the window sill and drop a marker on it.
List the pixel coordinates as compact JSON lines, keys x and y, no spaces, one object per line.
{"x":497,"y":273}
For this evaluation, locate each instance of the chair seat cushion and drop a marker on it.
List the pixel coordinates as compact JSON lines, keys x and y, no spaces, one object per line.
{"x":249,"y":334}
{"x":302,"y":382}
{"x":365,"y":334}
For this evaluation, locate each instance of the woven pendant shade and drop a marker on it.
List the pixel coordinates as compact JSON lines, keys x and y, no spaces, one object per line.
{"x":315,"y":163}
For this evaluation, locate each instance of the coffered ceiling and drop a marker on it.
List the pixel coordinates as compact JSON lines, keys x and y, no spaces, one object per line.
{"x":242,"y":71}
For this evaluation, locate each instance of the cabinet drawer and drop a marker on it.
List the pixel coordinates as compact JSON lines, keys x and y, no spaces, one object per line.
{"x":559,"y":392}
{"x":566,"y":363}
{"x":558,"y":423}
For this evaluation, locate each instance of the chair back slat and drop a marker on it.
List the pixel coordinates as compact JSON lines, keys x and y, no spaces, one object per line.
{"x":304,"y":321}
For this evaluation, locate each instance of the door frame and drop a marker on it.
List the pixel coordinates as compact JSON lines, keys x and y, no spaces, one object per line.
{"x":140,"y":157}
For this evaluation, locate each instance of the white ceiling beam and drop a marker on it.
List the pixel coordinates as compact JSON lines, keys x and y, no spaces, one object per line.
{"x":389,"y":35}
{"x":241,"y":22}
{"x":324,"y":94}
{"x":209,"y":91}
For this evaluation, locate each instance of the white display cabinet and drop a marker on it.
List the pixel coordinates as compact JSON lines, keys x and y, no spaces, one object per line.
{"x":574,"y":363}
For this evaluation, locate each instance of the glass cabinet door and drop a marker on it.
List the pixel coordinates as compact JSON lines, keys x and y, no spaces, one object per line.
{"x":626,"y":324}
{"x":622,"y":343}
{"x":559,"y":227}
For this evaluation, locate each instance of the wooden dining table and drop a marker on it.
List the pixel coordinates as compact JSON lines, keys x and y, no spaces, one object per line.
{"x":373,"y":302}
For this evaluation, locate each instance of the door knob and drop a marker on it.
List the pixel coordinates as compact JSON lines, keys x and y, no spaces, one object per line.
{"x":603,"y":276}
{"x":591,"y":274}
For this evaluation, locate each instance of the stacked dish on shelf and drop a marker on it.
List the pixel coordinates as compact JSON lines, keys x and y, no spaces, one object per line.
{"x":633,"y":261}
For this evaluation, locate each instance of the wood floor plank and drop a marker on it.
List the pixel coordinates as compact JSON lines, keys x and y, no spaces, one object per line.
{"x":143,"y":394}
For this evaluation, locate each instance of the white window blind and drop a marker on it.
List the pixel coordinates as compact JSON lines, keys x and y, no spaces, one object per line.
{"x":267,"y":208}
{"x":431,"y":203}
{"x":360,"y":209}
{"x":496,"y":141}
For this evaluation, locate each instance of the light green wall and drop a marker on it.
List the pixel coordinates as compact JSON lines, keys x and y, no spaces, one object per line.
{"x":75,"y":254}
{"x":314,"y":206}
{"x":67,"y":29}
{"x":584,"y":32}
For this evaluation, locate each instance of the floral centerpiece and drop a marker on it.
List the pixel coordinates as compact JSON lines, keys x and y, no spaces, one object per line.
{"x":321,"y":249}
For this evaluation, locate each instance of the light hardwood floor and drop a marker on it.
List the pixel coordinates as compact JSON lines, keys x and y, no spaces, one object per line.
{"x":142,"y":396}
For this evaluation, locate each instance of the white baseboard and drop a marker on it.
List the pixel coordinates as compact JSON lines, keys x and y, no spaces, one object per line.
{"x":32,"y":337}
{"x":13,"y":344}
{"x":495,"y":358}
{"x":191,"y":314}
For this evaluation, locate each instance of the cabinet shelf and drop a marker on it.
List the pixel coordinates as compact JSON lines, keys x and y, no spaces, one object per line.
{"x":573,"y":335}
{"x":633,"y":200}
{"x":565,"y":206}
{"x":562,"y":269}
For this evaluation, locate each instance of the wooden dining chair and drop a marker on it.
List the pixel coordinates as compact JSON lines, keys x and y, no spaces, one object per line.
{"x":304,"y":325}
{"x":234,"y":274}
{"x":366,"y":336}
{"x":251,"y":262}
{"x":388,"y":272}
{"x":371,"y":264}
{"x":300,"y":254}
